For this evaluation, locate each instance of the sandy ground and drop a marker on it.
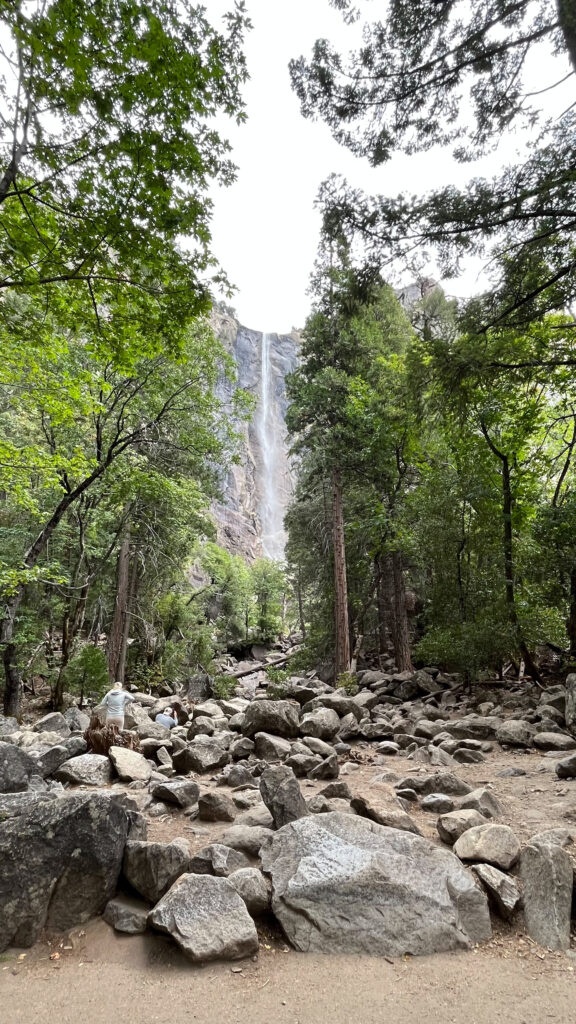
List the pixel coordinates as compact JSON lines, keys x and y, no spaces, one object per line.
{"x":94,"y":975}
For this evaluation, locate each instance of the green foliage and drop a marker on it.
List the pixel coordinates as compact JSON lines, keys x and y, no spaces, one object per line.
{"x":348,"y":683}
{"x":223,"y":687}
{"x":87,"y":671}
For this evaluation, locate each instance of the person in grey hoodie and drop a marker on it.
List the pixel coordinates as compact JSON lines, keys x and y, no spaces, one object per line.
{"x":115,"y":702}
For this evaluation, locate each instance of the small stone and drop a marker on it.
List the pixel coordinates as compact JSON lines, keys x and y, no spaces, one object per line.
{"x":126,"y":915}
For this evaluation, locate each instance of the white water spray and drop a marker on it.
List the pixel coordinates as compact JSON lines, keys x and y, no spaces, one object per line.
{"x":271,"y":511}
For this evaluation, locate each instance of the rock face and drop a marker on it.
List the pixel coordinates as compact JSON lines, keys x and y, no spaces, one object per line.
{"x":86,"y":770}
{"x":547,"y":874}
{"x":16,"y":767}
{"x":207,"y":919}
{"x":279,"y":717}
{"x":342,"y":884}
{"x":281,"y":794}
{"x":257,"y":490}
{"x":492,"y":844}
{"x":130,"y":765}
{"x":151,"y":868}
{"x":59,"y":864}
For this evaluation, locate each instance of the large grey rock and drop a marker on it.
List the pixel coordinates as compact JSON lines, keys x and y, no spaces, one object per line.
{"x":438,"y":803}
{"x":279,"y":717}
{"x":474,"y":727}
{"x":503,"y":891}
{"x":439,"y":782}
{"x":343,"y":706}
{"x":329,"y":768}
{"x":181,"y":792}
{"x":51,"y":759}
{"x":554,"y":741}
{"x":217,"y":859}
{"x":483,"y":801}
{"x":8,"y":725}
{"x":127,"y":915}
{"x":85,"y":770}
{"x":252,"y":886}
{"x":491,"y":844}
{"x":16,"y":767}
{"x":207,"y":919}
{"x":130,"y":765}
{"x":318,"y":746}
{"x":322,"y":724}
{"x":151,"y":868}
{"x":566,"y":768}
{"x":59,"y":864}
{"x":343,"y":884}
{"x":547,"y":875}
{"x":382,"y":806}
{"x":514,"y":732}
{"x":214,"y":806}
{"x":271,"y":748}
{"x":76,"y":719}
{"x":54,"y":722}
{"x":451,"y":826}
{"x":202,"y":755}
{"x":281,"y":794}
{"x":246,"y":838}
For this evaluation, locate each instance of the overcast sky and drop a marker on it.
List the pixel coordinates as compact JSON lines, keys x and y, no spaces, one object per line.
{"x":265,"y":228}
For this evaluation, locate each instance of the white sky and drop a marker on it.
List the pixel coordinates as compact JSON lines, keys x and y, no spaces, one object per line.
{"x":265,"y":229}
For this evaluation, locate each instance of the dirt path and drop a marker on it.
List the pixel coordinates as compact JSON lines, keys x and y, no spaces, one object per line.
{"x":143,"y":980}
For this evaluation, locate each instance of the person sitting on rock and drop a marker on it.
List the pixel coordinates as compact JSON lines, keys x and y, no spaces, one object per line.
{"x":115,"y":702}
{"x":168,"y":718}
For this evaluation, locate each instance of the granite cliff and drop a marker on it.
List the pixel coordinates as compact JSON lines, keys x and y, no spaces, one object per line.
{"x":256,"y":491}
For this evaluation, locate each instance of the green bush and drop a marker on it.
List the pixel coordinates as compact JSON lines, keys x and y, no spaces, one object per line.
{"x":347,"y":682}
{"x":223,"y":687}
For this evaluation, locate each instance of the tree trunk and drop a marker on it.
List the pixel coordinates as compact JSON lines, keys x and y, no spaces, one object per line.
{"x":13,"y":690}
{"x":342,"y":632}
{"x":300,"y":606}
{"x":117,"y":629}
{"x":567,"y":19}
{"x":571,"y":624}
{"x":382,"y":606}
{"x":132,"y":588}
{"x":401,"y":636}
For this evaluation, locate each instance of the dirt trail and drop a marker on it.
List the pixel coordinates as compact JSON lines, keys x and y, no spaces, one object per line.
{"x":143,"y":980}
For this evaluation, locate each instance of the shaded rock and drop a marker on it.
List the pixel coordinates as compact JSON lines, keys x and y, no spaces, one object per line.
{"x":76,"y":719}
{"x":547,"y":875}
{"x":383,"y":808}
{"x":439,"y":782}
{"x":553,"y":837}
{"x":388,"y":748}
{"x":216,"y":807}
{"x":317,"y":746}
{"x":343,"y":884}
{"x":201,"y":726}
{"x":327,"y":769}
{"x":454,"y":824}
{"x":8,"y":725}
{"x":247,"y":839}
{"x":151,"y":868}
{"x":474,"y":727}
{"x":337,"y":791}
{"x":271,"y":748}
{"x":207,"y":919}
{"x":16,"y":767}
{"x":301,"y":764}
{"x":515,"y":733}
{"x":554,"y":741}
{"x":218,"y":859}
{"x":279,"y":717}
{"x":437,"y":802}
{"x":240,"y":748}
{"x":503,"y":892}
{"x":252,"y":886}
{"x":126,"y":915}
{"x":202,"y":755}
{"x":482,"y":800}
{"x":343,"y":706}
{"x":59,"y":864}
{"x":54,"y":722}
{"x":570,"y":705}
{"x":565,"y":769}
{"x":492,"y":844}
{"x":51,"y":760}
{"x":281,"y":794}
{"x":85,"y":770}
{"x":323,"y":724}
{"x":182,"y":792}
{"x":130,"y":765}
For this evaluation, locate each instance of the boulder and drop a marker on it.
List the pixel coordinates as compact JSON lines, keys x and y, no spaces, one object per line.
{"x":382,"y":806}
{"x":207,"y":919}
{"x":452,"y":825}
{"x":329,"y":768}
{"x":51,"y":759}
{"x":76,"y":719}
{"x":515,"y":733}
{"x":201,"y":726}
{"x":246,"y":838}
{"x":554,"y":741}
{"x":202,"y":755}
{"x":54,"y":722}
{"x":547,"y":876}
{"x":181,"y":792}
{"x":252,"y":886}
{"x":12,"y":805}
{"x":570,"y":706}
{"x":483,"y":801}
{"x":323,"y":724}
{"x":59,"y":864}
{"x":271,"y":748}
{"x":8,"y":725}
{"x":474,"y":727}
{"x":439,"y":782}
{"x":218,"y":859}
{"x":343,"y":884}
{"x":492,"y":844}
{"x":85,"y":770}
{"x":343,"y":706}
{"x":279,"y":717}
{"x":438,"y":803}
{"x":503,"y":892}
{"x":317,"y":746}
{"x":337,"y":791}
{"x":216,"y":807}
{"x":127,"y":915}
{"x":281,"y":794}
{"x":151,"y":868}
{"x":241,"y":748}
{"x":130,"y":765}
{"x":16,"y":767}
{"x":301,"y":764}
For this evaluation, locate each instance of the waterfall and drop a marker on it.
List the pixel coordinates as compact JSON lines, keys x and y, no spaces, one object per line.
{"x":271,"y":507}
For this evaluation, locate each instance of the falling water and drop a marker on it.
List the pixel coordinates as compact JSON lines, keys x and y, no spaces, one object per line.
{"x":271,"y":513}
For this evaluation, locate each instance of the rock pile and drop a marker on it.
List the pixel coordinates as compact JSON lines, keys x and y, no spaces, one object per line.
{"x":346,"y":870}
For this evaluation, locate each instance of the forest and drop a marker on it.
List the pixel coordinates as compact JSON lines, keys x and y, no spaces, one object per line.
{"x":433,"y":519}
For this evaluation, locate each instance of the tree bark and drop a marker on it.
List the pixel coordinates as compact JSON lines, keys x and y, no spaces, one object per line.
{"x":117,"y":629}
{"x":401,"y":636}
{"x":571,"y":624}
{"x":567,"y":19}
{"x":13,"y":691}
{"x":341,"y":625}
{"x":382,"y":606}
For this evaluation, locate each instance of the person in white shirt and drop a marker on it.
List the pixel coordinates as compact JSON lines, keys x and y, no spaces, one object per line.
{"x":115,"y":702}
